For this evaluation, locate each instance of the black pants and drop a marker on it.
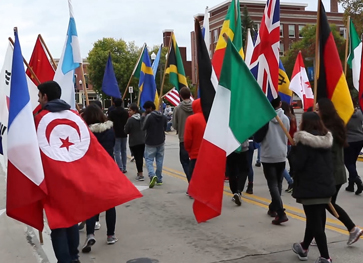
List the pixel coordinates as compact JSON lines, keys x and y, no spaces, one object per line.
{"x":315,"y":227}
{"x":343,"y":216}
{"x":351,"y":154}
{"x":191,"y":169}
{"x":184,"y":159}
{"x":274,"y":176}
{"x":110,"y":222}
{"x":138,"y":152}
{"x":237,"y":170}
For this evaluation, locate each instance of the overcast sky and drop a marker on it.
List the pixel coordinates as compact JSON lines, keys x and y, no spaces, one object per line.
{"x":132,"y":20}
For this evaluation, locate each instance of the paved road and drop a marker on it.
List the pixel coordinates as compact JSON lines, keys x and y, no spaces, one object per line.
{"x":160,"y":227}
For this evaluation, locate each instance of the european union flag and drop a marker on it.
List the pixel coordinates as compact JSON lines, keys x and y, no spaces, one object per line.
{"x":109,"y":83}
{"x":284,"y":83}
{"x":147,"y":85}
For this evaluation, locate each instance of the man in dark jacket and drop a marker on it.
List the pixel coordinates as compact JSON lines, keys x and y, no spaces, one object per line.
{"x":155,"y":126}
{"x":181,"y":113}
{"x":65,"y":240}
{"x":119,"y":118}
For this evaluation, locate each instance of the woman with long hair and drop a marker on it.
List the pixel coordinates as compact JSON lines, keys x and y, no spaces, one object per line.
{"x":314,"y":181}
{"x":103,"y":130}
{"x":336,"y":126}
{"x":133,"y":127}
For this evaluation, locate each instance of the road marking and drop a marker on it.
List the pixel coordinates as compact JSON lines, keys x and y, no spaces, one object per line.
{"x":141,"y":187}
{"x":2,"y":211}
{"x":263,"y":202}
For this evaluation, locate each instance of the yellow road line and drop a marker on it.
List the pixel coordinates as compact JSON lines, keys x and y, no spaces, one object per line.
{"x":261,"y":203}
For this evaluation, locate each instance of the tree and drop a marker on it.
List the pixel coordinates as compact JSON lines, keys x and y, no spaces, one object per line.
{"x":247,"y":22}
{"x":307,"y":47}
{"x":354,"y":9}
{"x":124,"y":56}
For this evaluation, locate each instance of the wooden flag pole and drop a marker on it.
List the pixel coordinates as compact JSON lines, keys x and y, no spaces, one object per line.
{"x":132,"y":74}
{"x":46,"y":48}
{"x":346,"y":46}
{"x":84,"y":85}
{"x":317,"y":55}
{"x":166,"y":65}
{"x":27,"y":65}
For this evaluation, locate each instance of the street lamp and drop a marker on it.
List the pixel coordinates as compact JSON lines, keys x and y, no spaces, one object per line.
{"x":153,"y":56}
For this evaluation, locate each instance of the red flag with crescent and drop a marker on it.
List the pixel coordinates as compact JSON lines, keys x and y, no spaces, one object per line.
{"x":82,"y":179}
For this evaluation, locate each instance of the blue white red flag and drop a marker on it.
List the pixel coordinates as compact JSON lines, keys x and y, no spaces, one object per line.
{"x":265,"y":57}
{"x":26,"y":187}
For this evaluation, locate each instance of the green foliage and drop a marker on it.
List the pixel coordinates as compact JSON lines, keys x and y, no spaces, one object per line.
{"x":247,"y":22}
{"x":354,"y":9}
{"x":124,"y":56}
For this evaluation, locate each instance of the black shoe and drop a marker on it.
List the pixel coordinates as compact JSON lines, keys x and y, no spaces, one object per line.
{"x":280,"y":219}
{"x":359,"y":183}
{"x":249,"y":189}
{"x":237,"y":199}
{"x":271,"y":213}
{"x":289,"y":189}
{"x":258,"y":164}
{"x":350,"y":187}
{"x":76,"y":261}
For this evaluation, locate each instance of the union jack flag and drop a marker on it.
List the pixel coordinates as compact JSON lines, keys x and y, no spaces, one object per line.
{"x":265,"y":57}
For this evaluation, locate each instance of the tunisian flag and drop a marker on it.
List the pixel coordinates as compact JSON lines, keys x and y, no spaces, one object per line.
{"x":300,"y":83}
{"x":81,"y":177}
{"x":40,"y":64}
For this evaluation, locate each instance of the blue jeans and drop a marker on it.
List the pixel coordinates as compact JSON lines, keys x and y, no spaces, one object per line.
{"x":120,"y":153}
{"x":156,"y":153}
{"x":288,"y":177}
{"x":65,"y":243}
{"x":168,"y":126}
{"x":184,"y":159}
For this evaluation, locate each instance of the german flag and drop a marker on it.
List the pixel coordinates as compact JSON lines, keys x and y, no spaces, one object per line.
{"x":175,"y":66}
{"x":332,"y":83}
{"x":232,"y":28}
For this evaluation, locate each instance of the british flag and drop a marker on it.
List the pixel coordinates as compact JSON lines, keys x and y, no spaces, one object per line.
{"x":265,"y":57}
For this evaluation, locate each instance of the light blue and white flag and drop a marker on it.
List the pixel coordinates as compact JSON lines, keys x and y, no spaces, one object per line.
{"x":155,"y":64}
{"x":69,"y":61}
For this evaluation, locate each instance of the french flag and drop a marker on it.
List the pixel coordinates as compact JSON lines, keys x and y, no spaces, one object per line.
{"x":26,"y":187}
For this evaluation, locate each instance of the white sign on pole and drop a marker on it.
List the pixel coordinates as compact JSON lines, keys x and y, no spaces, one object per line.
{"x":131,"y":90}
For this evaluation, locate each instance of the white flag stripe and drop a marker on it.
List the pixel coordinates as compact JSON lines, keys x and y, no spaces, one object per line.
{"x":173,"y":97}
{"x":356,"y":65}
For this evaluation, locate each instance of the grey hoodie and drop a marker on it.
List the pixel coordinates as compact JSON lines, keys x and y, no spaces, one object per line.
{"x":133,"y":127}
{"x":274,"y":145}
{"x":181,"y":113}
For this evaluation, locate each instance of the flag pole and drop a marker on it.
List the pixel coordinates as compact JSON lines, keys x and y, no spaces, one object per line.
{"x":166,"y":65}
{"x":346,"y":46}
{"x":317,"y":55}
{"x":27,"y":65}
{"x":84,"y":84}
{"x":197,"y":66}
{"x":46,"y":48}
{"x":132,"y":74}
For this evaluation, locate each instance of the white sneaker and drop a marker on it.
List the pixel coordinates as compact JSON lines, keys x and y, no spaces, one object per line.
{"x":313,"y":243}
{"x":354,"y":236}
{"x":111,"y":240}
{"x":97,"y":225}
{"x":90,"y":241}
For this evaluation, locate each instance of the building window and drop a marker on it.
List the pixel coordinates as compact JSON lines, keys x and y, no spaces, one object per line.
{"x":291,"y":31}
{"x":281,"y":30}
{"x":300,"y":29}
{"x":216,"y":35}
{"x":282,"y":49}
{"x":343,"y":32}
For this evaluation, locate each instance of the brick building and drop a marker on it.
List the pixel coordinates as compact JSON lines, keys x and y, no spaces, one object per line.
{"x":293,"y":17}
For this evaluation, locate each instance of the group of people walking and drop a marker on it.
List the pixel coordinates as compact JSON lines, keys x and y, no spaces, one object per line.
{"x":322,"y":145}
